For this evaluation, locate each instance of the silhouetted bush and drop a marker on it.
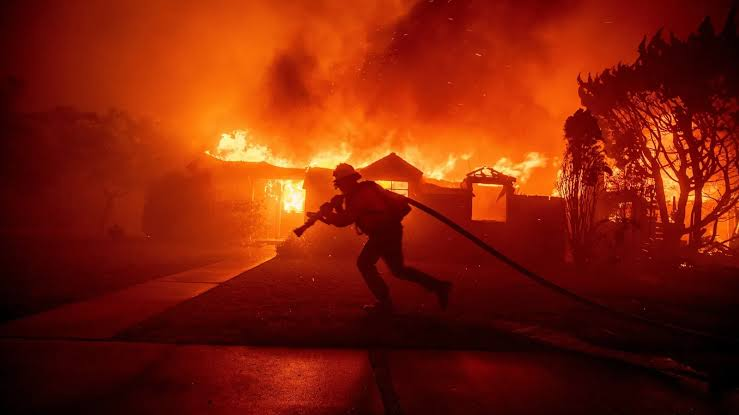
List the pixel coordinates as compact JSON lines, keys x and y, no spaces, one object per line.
{"x":292,"y":247}
{"x":183,"y":207}
{"x":75,"y":173}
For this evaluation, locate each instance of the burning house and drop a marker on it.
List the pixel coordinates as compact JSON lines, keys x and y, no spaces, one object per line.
{"x":277,"y":191}
{"x":484,"y":202}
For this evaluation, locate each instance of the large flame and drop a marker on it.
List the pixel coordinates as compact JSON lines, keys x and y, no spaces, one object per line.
{"x":241,"y":145}
{"x":236,"y":147}
{"x":521,"y":171}
{"x":330,"y":158}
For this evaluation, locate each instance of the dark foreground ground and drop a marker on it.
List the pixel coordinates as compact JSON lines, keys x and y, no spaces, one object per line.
{"x":289,"y":336}
{"x":39,"y":274}
{"x":135,"y":378}
{"x":316,"y":303}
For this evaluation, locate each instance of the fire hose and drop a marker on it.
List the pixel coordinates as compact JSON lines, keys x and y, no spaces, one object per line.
{"x":313,"y":217}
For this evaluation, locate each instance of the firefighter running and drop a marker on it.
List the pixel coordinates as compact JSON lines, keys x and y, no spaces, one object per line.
{"x":377,"y":213}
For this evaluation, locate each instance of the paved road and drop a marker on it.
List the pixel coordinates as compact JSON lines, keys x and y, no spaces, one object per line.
{"x":66,"y":361}
{"x":43,"y":376}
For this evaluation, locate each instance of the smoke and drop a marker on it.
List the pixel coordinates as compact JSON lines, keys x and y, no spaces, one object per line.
{"x":291,"y":83}
{"x":473,"y":81}
{"x":451,"y":75}
{"x":459,"y":60}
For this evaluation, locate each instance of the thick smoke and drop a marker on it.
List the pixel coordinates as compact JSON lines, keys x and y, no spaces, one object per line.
{"x":464,"y":61}
{"x":444,"y":78}
{"x":484,"y":79}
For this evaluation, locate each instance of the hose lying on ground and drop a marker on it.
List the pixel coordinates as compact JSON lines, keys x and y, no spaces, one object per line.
{"x":313,"y":217}
{"x":561,"y":290}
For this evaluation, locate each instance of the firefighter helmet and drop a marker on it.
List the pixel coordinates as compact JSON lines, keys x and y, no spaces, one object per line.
{"x":345,"y":172}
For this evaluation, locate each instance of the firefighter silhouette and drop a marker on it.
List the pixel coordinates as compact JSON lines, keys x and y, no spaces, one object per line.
{"x":378,"y":213}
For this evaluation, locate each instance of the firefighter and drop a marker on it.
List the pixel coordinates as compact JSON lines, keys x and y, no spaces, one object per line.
{"x":378,"y":213}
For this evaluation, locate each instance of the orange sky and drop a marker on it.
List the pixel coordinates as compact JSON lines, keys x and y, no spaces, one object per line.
{"x":486,"y":79}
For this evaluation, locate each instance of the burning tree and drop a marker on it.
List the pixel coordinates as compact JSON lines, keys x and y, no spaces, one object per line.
{"x":580,"y":179}
{"x":673,"y":114}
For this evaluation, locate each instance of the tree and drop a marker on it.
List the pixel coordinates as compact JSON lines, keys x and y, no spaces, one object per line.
{"x":111,"y":153}
{"x":581,"y":179}
{"x":179,"y":206}
{"x":65,"y":170}
{"x":673,"y":114}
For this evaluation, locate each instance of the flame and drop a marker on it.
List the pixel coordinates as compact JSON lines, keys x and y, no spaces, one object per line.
{"x":293,"y":196}
{"x":329,"y":159}
{"x":237,"y":146}
{"x":521,"y":171}
{"x":438,"y":171}
{"x":290,"y":193}
{"x":240,"y":145}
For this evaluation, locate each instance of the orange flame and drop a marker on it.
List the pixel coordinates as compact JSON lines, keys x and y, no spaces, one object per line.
{"x":237,"y":147}
{"x":329,"y":159}
{"x":293,"y":196}
{"x":521,"y":171}
{"x":240,"y":145}
{"x":290,"y":193}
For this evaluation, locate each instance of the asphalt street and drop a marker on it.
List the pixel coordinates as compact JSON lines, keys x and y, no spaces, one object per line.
{"x":245,"y":336}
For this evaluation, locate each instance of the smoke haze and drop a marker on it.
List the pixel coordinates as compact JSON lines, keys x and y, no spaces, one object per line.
{"x":479,"y":79}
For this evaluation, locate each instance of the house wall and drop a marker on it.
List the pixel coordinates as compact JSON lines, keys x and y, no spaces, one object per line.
{"x":533,"y":232}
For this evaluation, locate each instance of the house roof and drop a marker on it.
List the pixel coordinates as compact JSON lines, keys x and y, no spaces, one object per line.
{"x":258,"y":170}
{"x":391,"y":167}
{"x":488,"y":175}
